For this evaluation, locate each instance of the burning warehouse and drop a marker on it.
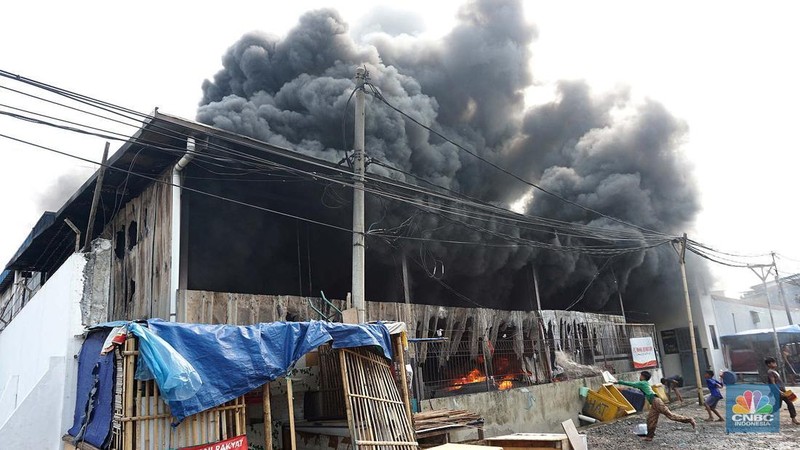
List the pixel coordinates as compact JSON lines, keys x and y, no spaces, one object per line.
{"x":191,"y":243}
{"x":245,"y":216}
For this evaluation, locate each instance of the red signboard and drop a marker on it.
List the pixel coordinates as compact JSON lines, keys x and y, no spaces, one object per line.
{"x":237,"y":443}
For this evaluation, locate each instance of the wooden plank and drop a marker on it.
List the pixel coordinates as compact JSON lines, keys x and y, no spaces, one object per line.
{"x":575,"y":439}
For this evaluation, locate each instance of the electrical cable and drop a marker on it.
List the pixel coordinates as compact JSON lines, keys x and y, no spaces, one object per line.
{"x":380,"y":97}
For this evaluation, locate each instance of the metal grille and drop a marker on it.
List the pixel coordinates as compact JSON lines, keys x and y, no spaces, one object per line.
{"x":519,"y":358}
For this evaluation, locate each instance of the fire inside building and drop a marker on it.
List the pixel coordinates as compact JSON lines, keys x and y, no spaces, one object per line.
{"x":200,"y":239}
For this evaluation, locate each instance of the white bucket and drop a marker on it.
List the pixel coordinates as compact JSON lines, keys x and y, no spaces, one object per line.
{"x":640,"y":429}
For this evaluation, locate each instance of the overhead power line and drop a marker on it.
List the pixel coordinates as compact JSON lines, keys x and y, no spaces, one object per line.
{"x":380,"y":97}
{"x":238,"y":156}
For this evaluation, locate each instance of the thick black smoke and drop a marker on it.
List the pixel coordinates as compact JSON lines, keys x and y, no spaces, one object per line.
{"x":603,"y":151}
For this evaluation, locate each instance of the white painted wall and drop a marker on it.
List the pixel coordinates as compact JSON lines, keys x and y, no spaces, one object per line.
{"x":708,"y":318}
{"x":675,"y":317}
{"x":728,"y":310}
{"x":38,"y":365}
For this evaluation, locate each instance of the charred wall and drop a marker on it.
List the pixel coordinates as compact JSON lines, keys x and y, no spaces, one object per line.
{"x":239,"y":246}
{"x":140,"y":234}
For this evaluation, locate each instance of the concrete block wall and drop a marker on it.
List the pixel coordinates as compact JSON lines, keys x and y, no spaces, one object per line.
{"x":533,"y":409}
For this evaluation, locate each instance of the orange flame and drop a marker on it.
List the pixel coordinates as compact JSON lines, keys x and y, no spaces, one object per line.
{"x":503,"y":385}
{"x":474,"y":376}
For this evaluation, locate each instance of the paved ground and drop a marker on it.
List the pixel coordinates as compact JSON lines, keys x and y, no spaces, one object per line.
{"x":710,"y":435}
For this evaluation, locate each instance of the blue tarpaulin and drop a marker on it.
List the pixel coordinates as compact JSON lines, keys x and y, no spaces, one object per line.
{"x":234,"y":360}
{"x":95,"y":392}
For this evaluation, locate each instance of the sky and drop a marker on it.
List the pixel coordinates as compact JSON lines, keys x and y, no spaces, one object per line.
{"x":728,"y":69}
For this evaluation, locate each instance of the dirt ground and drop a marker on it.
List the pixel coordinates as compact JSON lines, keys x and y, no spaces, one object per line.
{"x":710,"y":435}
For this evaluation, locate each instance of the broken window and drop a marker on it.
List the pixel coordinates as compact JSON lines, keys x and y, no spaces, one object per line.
{"x":119,"y":244}
{"x":132,"y":235}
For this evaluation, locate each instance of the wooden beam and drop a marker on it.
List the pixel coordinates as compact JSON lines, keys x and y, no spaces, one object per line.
{"x":403,"y":379}
{"x":128,"y":396}
{"x":267,"y":417}
{"x":96,"y":199}
{"x":290,"y":399}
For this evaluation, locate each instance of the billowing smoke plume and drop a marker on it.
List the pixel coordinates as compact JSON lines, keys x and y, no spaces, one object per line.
{"x":603,"y":151}
{"x":59,"y":191}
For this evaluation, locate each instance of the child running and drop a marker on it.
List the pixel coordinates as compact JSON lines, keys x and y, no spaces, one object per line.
{"x":657,"y":405}
{"x":714,"y":396}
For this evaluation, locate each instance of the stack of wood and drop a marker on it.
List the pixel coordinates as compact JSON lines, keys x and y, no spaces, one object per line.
{"x":444,"y":418}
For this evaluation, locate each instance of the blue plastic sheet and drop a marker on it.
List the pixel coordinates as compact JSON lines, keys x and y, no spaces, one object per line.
{"x":233,"y":360}
{"x":95,"y":392}
{"x":177,"y":379}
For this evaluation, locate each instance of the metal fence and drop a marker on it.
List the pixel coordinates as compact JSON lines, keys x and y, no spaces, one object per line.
{"x":519,"y":358}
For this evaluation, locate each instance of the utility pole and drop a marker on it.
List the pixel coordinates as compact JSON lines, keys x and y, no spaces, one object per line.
{"x":407,"y":297}
{"x":780,"y":290}
{"x":359,"y":301}
{"x":682,"y":259}
{"x":763,"y":275}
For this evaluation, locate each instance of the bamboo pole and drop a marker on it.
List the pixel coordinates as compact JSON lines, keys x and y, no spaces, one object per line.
{"x":224,"y":425}
{"x":357,"y":376}
{"x":157,"y":438}
{"x":402,"y":359}
{"x":267,"y":405}
{"x":346,"y":388}
{"x":146,"y":406}
{"x":128,"y":396}
{"x":290,"y":398}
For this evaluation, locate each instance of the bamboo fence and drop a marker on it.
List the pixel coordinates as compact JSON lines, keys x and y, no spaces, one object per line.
{"x":376,"y":414}
{"x":146,"y":421}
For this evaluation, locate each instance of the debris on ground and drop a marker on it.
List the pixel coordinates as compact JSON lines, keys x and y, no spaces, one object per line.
{"x":619,"y":435}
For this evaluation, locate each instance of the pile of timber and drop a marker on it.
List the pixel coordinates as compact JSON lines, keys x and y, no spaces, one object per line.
{"x":444,"y":418}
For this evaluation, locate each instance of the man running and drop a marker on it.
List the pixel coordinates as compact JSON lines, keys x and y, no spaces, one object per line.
{"x":779,"y":389}
{"x":657,"y":405}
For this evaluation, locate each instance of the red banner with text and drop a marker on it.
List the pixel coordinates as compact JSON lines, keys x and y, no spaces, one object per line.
{"x":236,"y":443}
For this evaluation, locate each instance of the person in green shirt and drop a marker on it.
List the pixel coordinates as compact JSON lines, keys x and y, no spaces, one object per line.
{"x":657,"y":406}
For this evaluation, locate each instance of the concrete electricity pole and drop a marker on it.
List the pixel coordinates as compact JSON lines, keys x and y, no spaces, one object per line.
{"x":762,"y":274}
{"x":780,"y":290}
{"x":359,"y":301}
{"x":682,"y":259}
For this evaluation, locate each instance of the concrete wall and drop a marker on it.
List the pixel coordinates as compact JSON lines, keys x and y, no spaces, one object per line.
{"x":669,"y":319}
{"x":708,"y":318}
{"x":38,"y":365}
{"x":703,"y":315}
{"x":735,"y":317}
{"x":539,"y":408}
